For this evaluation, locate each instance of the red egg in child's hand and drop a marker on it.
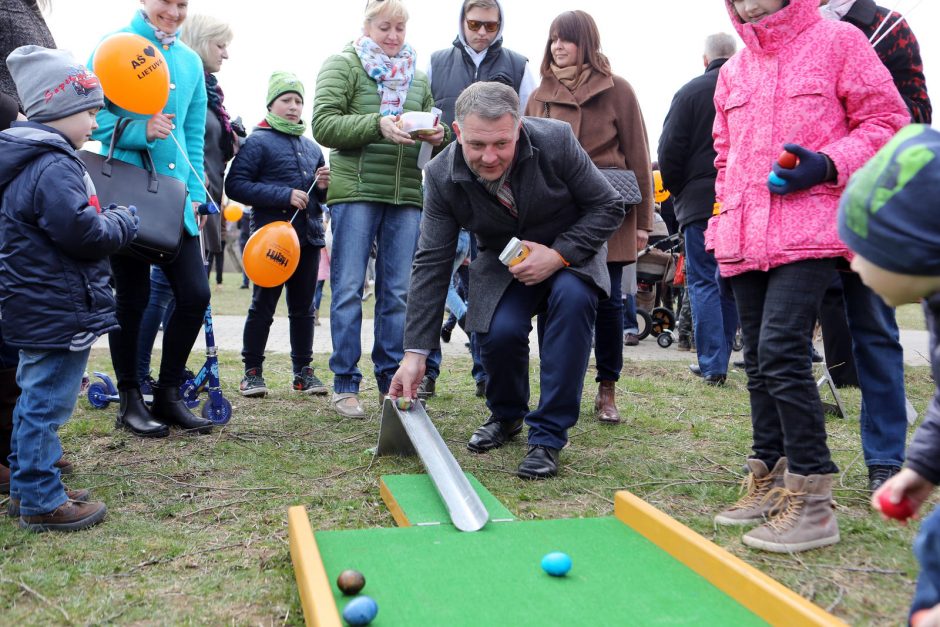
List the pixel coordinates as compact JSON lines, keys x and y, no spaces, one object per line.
{"x":787,"y":160}
{"x":900,"y":511}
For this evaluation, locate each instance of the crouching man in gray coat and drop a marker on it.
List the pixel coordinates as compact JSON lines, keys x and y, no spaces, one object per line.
{"x":526,"y":178}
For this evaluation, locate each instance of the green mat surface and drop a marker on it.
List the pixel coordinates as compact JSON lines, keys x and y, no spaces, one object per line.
{"x":418,"y":499}
{"x":433,"y":576}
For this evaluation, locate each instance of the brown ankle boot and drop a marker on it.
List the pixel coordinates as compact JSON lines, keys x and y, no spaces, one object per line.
{"x":605,"y":403}
{"x":70,"y":516}
{"x":754,"y":506}
{"x":806,"y":520}
{"x":13,"y":507}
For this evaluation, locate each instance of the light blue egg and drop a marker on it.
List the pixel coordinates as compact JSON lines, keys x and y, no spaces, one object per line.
{"x":773,"y":179}
{"x":361,"y":610}
{"x":556,"y":564}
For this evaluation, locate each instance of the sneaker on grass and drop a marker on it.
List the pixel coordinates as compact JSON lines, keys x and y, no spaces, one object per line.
{"x":252,"y":385}
{"x":306,"y":382}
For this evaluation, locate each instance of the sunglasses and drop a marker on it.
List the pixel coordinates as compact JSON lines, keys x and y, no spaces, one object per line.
{"x":475,"y":25}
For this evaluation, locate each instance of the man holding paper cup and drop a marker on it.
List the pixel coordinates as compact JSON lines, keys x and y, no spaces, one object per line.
{"x":524,"y":178}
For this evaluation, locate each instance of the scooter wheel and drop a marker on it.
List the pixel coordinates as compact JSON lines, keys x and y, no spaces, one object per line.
{"x":98,"y":395}
{"x":664,"y":339}
{"x":220,"y":414}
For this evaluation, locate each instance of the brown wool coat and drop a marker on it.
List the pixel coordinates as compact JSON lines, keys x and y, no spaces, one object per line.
{"x":605,"y":116}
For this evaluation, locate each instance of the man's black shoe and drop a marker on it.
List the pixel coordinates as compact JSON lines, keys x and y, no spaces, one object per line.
{"x":877,"y":475}
{"x":715,"y":379}
{"x":541,"y":462}
{"x":493,"y":434}
{"x":694,"y":369}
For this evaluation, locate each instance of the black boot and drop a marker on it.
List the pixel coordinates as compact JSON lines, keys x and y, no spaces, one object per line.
{"x":135,"y":417}
{"x":169,"y":408}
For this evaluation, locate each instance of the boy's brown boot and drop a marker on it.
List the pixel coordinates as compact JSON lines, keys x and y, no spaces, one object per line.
{"x":754,"y":507}
{"x":70,"y":516}
{"x":13,"y":507}
{"x":605,"y":403}
{"x":806,"y":519}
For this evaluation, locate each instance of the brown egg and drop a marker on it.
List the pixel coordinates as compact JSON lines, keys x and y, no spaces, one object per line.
{"x":350,"y":582}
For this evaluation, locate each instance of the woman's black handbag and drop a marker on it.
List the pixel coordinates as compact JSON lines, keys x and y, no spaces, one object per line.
{"x":160,"y":199}
{"x":624,"y":181}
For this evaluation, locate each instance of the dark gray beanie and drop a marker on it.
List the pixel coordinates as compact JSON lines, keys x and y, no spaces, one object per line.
{"x":52,"y":84}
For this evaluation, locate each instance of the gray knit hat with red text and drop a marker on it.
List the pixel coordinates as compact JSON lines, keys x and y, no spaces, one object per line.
{"x":52,"y":84}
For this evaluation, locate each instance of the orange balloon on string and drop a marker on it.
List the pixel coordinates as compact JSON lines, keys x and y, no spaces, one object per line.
{"x":133,"y":72}
{"x":271,"y":254}
{"x":233,"y":213}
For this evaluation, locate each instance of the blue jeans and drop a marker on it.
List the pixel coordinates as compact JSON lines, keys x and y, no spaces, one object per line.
{"x":395,"y":230}
{"x":49,"y":381}
{"x":927,"y":551}
{"x":158,"y":311}
{"x":569,"y":306}
{"x":608,"y":329}
{"x":455,"y":303}
{"x":714,"y":316}
{"x":879,"y":360}
{"x":318,"y":294}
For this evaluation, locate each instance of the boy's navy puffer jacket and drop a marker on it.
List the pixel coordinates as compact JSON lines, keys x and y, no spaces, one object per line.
{"x":54,"y":244}
{"x":264,"y":172}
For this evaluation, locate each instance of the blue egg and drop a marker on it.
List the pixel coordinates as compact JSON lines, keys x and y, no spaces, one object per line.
{"x":556,"y":564}
{"x":361,"y":610}
{"x":773,"y":179}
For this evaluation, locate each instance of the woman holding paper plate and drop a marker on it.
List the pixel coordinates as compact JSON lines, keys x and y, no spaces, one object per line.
{"x":174,"y":137}
{"x":375,"y":194}
{"x":283,"y":176}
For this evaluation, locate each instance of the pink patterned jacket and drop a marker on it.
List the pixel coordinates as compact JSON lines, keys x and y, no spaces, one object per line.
{"x":805,"y":80}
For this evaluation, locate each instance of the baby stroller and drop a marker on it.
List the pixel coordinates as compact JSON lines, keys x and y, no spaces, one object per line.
{"x":655,"y":266}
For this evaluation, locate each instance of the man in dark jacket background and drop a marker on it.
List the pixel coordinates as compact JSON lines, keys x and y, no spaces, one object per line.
{"x":476,"y":55}
{"x":530,"y":179}
{"x":687,"y":165}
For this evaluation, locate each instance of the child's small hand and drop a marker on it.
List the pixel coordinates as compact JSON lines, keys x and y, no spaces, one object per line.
{"x":323,"y":177}
{"x":928,"y":617}
{"x":812,"y":169}
{"x":907,"y":484}
{"x":299,"y":199}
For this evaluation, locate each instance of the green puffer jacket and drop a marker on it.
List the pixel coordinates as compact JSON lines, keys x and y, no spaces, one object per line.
{"x":364,"y":166}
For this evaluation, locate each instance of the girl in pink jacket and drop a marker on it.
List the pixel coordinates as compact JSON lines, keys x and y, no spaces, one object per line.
{"x":816,"y":89}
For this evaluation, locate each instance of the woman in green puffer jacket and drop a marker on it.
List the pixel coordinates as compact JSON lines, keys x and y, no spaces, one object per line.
{"x":375,"y":190}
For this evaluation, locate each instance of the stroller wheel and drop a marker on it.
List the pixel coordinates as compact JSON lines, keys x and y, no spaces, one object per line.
{"x":643,"y":322}
{"x":664,"y":339}
{"x":220,"y":414}
{"x":663,"y":320}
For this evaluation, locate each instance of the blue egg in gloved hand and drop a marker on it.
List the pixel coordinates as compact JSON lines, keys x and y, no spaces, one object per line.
{"x":556,"y":564}
{"x":773,"y":179}
{"x":361,"y":610}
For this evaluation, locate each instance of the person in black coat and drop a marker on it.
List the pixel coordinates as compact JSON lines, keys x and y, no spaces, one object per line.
{"x":273,"y":172}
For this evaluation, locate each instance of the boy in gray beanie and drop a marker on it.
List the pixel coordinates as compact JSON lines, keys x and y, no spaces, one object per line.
{"x":54,"y":294}
{"x":889,"y":216}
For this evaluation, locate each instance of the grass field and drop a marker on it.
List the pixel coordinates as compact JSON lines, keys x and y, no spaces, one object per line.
{"x":197,"y":530}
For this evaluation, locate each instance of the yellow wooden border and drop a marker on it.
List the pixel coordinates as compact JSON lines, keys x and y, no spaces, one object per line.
{"x":316,"y":594}
{"x":769,"y":599}
{"x":392,"y":504}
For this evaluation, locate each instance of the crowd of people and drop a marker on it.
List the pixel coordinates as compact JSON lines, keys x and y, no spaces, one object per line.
{"x":516,"y":153}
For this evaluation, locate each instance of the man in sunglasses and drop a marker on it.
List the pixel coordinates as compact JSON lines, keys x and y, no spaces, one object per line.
{"x":477,"y":55}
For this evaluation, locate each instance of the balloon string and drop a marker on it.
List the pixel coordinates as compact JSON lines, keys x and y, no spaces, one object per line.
{"x":189,"y":163}
{"x":315,"y":179}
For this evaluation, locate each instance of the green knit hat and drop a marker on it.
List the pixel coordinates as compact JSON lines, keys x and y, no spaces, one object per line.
{"x":281,"y":83}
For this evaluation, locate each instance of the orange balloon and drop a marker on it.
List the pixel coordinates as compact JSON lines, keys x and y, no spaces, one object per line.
{"x":233,"y":213}
{"x":133,"y":72}
{"x":271,"y":254}
{"x":659,"y":193}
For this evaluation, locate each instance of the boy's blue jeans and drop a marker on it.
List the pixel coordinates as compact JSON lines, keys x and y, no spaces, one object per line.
{"x":355,"y":226}
{"x":49,"y":381}
{"x":927,"y":551}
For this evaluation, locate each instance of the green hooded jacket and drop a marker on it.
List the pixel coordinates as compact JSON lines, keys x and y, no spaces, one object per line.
{"x":364,"y":166}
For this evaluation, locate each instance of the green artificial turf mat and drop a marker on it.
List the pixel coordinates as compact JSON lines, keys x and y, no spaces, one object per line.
{"x":433,"y":576}
{"x":418,"y":499}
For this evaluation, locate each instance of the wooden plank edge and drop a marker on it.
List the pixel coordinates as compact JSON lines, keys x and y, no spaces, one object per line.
{"x":316,"y":594}
{"x":392,"y":504}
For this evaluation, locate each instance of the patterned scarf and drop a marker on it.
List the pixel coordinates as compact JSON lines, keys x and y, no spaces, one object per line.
{"x":167,"y":39}
{"x":216,"y":98}
{"x":503,"y":192}
{"x":836,"y":9}
{"x":392,"y":75}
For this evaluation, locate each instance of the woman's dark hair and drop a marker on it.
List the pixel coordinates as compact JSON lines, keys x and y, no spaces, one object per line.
{"x":580,"y":29}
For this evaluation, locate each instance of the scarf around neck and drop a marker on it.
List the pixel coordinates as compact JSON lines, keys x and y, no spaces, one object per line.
{"x":569,"y":77}
{"x":216,"y":99}
{"x":284,"y":126}
{"x":393,"y":76}
{"x":167,"y":39}
{"x":836,"y":9}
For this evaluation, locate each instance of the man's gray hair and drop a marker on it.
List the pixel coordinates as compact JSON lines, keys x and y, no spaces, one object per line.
{"x":489,"y":100}
{"x":720,"y":46}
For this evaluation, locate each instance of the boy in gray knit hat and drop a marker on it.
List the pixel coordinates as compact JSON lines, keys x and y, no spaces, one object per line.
{"x":54,"y":297}
{"x":889,"y":216}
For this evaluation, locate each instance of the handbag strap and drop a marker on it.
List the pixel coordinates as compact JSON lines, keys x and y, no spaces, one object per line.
{"x":153,"y":185}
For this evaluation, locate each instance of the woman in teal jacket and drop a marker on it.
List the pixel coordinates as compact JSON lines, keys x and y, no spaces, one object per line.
{"x":184,"y":116}
{"x":375,"y":190}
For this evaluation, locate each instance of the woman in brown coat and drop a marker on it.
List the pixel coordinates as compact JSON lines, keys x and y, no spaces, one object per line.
{"x":579,"y":88}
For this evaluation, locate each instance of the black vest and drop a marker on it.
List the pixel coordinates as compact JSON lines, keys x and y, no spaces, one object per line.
{"x":452,"y":70}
